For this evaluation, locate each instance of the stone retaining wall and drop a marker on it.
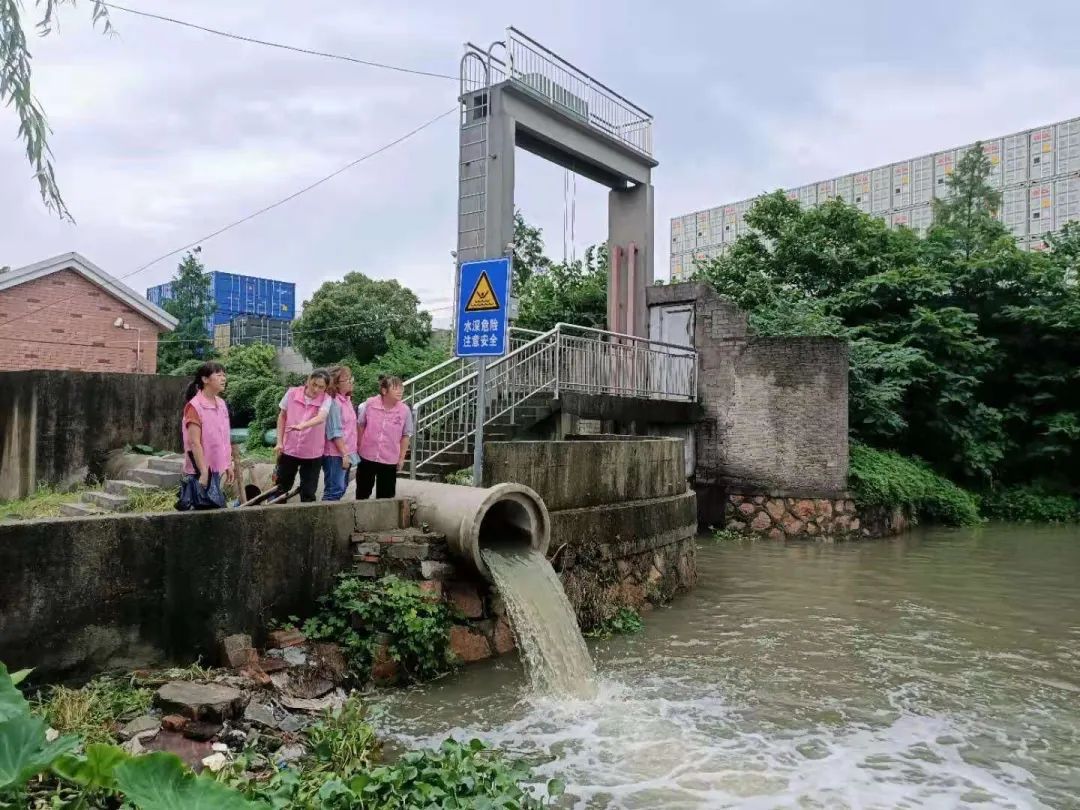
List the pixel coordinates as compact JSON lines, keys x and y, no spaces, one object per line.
{"x":780,"y":515}
{"x":623,"y":523}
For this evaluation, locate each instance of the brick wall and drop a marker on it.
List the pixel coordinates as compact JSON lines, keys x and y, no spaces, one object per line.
{"x":72,"y":328}
{"x":775,"y":409}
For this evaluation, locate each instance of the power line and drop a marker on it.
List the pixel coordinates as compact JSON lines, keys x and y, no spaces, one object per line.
{"x":260,"y":212}
{"x":280,"y":45}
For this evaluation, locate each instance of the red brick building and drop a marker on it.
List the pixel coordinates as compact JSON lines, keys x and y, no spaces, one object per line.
{"x":67,"y":313}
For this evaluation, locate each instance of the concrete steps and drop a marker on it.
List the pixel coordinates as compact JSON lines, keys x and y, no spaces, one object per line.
{"x":106,"y":500}
{"x":116,"y":487}
{"x":173,"y":464}
{"x":160,"y":479}
{"x":75,"y":509}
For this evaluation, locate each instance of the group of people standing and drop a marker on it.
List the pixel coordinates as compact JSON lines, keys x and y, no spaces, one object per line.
{"x":319,"y":430}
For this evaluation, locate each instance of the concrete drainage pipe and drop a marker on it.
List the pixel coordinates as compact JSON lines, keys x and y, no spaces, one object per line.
{"x":473,"y":518}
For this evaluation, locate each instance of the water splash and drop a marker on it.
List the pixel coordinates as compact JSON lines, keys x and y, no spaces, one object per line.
{"x":556,"y":658}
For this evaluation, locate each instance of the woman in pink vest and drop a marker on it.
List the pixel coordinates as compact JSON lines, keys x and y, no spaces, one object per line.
{"x":205,"y":426}
{"x":384,"y":425}
{"x":339,"y":453}
{"x":301,"y":437}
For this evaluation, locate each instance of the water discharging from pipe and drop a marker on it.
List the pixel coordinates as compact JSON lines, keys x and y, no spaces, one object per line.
{"x":552,"y":648}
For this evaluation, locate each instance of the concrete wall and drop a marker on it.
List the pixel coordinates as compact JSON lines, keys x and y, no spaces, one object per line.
{"x":775,"y":410}
{"x":66,"y":322}
{"x":58,"y":425}
{"x":623,"y":522}
{"x":85,"y":594}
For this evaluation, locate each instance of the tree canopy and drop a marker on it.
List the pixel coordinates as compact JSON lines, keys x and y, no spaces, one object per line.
{"x":357,"y":318}
{"x":965,"y":349}
{"x":191,"y":303}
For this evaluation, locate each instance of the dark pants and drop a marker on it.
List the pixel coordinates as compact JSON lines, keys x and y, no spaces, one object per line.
{"x":383,"y":477}
{"x":309,"y":469}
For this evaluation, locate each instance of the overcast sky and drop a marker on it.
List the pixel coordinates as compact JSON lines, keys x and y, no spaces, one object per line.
{"x":163,"y":134}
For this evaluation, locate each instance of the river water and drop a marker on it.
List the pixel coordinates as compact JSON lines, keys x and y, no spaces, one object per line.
{"x":939,"y":670}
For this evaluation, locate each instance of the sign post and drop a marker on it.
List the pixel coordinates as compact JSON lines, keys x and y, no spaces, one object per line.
{"x":482,"y":331}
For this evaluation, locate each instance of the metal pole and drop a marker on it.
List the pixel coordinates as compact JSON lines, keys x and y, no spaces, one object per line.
{"x":481,"y":402}
{"x":415,"y":440}
{"x":558,"y":341}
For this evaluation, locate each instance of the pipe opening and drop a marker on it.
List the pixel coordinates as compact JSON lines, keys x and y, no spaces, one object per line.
{"x":509,"y":524}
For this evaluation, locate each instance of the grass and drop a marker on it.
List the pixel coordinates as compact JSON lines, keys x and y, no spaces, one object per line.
{"x":257,"y":453}
{"x":626,"y":620}
{"x":726,"y":535}
{"x":152,"y":500}
{"x":44,"y":503}
{"x":192,"y":672}
{"x":95,"y":709}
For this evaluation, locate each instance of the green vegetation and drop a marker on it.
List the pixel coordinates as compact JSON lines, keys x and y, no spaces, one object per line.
{"x":625,"y":620}
{"x":415,"y":626}
{"x":44,"y":503}
{"x":341,"y":769}
{"x":192,"y":302}
{"x":357,"y":317}
{"x":251,"y":370}
{"x":1030,"y":504}
{"x":153,"y":500}
{"x":92,"y":710}
{"x":964,"y":349}
{"x":726,"y":535}
{"x":883,"y":478}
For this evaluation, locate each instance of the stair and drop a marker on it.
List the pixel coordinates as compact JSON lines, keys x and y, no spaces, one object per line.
{"x":75,"y":509}
{"x":106,"y":500}
{"x":173,"y":463}
{"x":116,"y":487}
{"x":160,"y":479}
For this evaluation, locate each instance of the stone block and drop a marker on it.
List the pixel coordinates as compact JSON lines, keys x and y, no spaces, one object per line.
{"x":804,"y":509}
{"x":464,"y":598}
{"x":776,"y":534}
{"x":792,"y":525}
{"x":174,"y":723}
{"x":747,"y":509}
{"x":237,"y":651}
{"x":503,"y":637}
{"x":365,"y":569}
{"x":761,"y":522}
{"x":285,"y":637}
{"x":200,"y":701}
{"x":468,"y":645}
{"x":823,"y":506}
{"x":362,"y":549}
{"x":776,"y":509}
{"x":433,"y":588}
{"x":407,"y":551}
{"x":139,"y":726}
{"x":385,"y":671}
{"x":429,"y":569}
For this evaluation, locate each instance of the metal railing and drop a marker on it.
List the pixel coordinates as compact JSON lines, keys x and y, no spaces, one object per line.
{"x":565,"y":358}
{"x":546,"y":75}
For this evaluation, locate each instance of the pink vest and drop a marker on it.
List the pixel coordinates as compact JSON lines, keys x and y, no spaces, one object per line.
{"x":217,"y":450}
{"x":348,"y":424}
{"x":383,"y":430}
{"x":303,"y":443}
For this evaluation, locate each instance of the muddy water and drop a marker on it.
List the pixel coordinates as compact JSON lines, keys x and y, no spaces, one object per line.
{"x":939,"y":670}
{"x":556,"y":660}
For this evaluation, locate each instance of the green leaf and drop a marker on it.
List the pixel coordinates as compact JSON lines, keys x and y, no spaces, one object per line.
{"x":96,"y":770}
{"x":24,"y":753}
{"x":20,"y":676}
{"x":556,"y":788}
{"x":12,"y":702}
{"x":159,"y":781}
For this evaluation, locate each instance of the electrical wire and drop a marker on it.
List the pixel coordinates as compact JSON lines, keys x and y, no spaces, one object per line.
{"x":279,"y":45}
{"x":261,"y":211}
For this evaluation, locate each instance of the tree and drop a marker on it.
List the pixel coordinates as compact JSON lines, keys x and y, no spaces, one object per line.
{"x":251,"y":369}
{"x":191,"y":302}
{"x":964,"y":349}
{"x":15,"y":88}
{"x":529,"y":255}
{"x":356,"y":317}
{"x":401,"y":359}
{"x":571,"y":292}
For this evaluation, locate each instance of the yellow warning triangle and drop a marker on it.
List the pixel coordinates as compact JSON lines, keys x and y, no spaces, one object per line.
{"x":482,"y":297}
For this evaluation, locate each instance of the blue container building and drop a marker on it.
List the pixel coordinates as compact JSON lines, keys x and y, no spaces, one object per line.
{"x":240,"y":295}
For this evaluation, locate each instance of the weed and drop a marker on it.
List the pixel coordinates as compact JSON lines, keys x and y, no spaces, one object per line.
{"x":462,"y":478}
{"x":151,"y":500}
{"x":626,"y":620}
{"x":44,"y":503}
{"x":95,"y":709}
{"x":418,"y":628}
{"x":343,"y":742}
{"x":726,"y":535}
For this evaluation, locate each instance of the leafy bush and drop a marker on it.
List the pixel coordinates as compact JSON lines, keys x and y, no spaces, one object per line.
{"x":416,"y":626}
{"x":266,"y":414}
{"x":626,"y":620}
{"x":1032,"y":504}
{"x":186,"y":368}
{"x":884,"y":478}
{"x":251,"y":369}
